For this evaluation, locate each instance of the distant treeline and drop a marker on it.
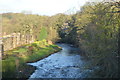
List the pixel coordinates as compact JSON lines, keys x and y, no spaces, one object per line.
{"x":42,"y":27}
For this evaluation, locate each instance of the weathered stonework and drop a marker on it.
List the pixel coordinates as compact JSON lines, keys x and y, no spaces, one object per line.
{"x":15,"y":40}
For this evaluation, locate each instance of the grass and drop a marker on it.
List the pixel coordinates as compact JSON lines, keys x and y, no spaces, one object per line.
{"x":14,"y":63}
{"x":8,"y":67}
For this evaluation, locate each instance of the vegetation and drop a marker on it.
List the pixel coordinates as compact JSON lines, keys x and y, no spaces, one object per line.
{"x":95,"y":29}
{"x":43,"y":34}
{"x":14,"y":62}
{"x":28,"y":24}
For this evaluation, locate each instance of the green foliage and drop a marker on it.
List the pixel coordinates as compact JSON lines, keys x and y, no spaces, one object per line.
{"x":13,"y":64}
{"x":43,"y":34}
{"x":100,"y":43}
{"x":29,"y":24}
{"x":95,"y":30}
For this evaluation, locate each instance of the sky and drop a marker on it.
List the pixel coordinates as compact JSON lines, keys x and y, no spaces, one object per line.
{"x":41,"y":7}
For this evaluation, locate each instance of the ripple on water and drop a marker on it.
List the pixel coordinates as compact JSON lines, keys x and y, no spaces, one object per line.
{"x":59,"y":65}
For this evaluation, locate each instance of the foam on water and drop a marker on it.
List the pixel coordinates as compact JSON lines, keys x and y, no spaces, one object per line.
{"x":62,"y":64}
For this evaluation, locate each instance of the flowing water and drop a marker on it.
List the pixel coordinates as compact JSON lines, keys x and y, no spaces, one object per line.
{"x":64,"y":64}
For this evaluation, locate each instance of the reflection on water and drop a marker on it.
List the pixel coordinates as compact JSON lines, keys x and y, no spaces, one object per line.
{"x":64,"y":64}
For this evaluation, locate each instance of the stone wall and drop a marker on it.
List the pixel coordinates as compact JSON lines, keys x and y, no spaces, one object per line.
{"x":15,"y":40}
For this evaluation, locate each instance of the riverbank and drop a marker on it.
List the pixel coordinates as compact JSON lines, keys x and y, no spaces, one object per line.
{"x":66,"y":63}
{"x":14,"y":61}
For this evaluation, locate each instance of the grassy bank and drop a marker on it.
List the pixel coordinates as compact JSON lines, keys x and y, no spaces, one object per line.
{"x":14,"y":61}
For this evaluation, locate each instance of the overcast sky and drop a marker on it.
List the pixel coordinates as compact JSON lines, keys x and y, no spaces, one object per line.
{"x":42,"y":7}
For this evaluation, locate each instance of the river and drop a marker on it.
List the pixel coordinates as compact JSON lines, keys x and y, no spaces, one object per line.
{"x":64,"y":64}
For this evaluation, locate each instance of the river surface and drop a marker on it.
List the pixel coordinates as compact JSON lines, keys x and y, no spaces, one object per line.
{"x":64,"y":64}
